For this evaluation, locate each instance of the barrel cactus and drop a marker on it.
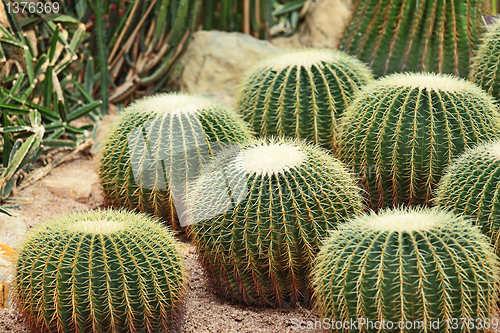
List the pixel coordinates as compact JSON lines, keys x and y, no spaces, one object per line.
{"x":100,"y":271}
{"x":485,"y":70}
{"x":424,"y":266}
{"x":158,"y":146}
{"x":416,"y":35}
{"x":471,"y":186}
{"x":301,"y":93}
{"x":403,"y":130}
{"x":258,"y":217}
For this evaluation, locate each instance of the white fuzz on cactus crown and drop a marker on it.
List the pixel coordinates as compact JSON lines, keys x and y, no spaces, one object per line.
{"x":175,"y":104}
{"x":302,"y":58}
{"x":98,"y":226}
{"x":271,"y":158}
{"x":436,"y":82}
{"x":491,"y":147}
{"x":405,"y":219}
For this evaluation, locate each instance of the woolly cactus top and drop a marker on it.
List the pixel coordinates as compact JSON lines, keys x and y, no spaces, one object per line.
{"x":174,"y":104}
{"x":98,"y":222}
{"x":305,"y":58}
{"x":99,"y":227}
{"x":404,"y":220}
{"x":430,"y":81}
{"x":271,"y":158}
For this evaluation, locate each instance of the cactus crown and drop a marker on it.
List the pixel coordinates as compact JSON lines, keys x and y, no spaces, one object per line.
{"x":403,"y":220}
{"x":175,"y":104}
{"x":271,"y":158}
{"x":430,"y":81}
{"x":305,"y":58}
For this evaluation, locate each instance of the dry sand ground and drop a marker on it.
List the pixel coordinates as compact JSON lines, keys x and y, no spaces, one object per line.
{"x":204,"y":310}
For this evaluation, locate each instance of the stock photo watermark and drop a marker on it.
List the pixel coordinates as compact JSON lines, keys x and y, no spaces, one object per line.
{"x":364,"y":323}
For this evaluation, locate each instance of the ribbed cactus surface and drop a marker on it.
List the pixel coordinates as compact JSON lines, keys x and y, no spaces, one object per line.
{"x":416,"y":35}
{"x":301,"y":93}
{"x":100,"y":271}
{"x":403,"y":130}
{"x":485,"y":70}
{"x":258,"y":217}
{"x":158,"y":146}
{"x":407,"y":265}
{"x":471,"y":186}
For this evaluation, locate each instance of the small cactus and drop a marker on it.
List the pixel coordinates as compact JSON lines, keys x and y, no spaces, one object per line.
{"x":408,"y":264}
{"x":301,"y":93}
{"x":100,"y":271}
{"x":258,"y":217}
{"x":471,"y":186}
{"x":416,"y":35}
{"x":181,"y":131}
{"x":403,"y":130}
{"x":485,"y":70}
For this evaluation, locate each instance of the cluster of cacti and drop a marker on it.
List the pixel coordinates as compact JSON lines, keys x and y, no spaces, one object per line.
{"x":471,"y":186}
{"x":403,"y":130}
{"x":485,"y":70}
{"x":416,"y":35}
{"x":301,"y":93}
{"x":158,"y":146}
{"x":259,"y":213}
{"x":100,"y":271}
{"x":423,"y":266}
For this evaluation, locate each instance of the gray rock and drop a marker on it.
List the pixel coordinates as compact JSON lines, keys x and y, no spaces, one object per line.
{"x":324,"y":22}
{"x":214,"y":61}
{"x":76,"y":188}
{"x":12,"y":225}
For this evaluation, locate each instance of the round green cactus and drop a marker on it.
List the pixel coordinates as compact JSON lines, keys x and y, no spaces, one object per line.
{"x":471,"y":186}
{"x":485,"y":70}
{"x":407,"y":264}
{"x":257,"y":216}
{"x":100,"y":271}
{"x":403,"y":130}
{"x":416,"y":35}
{"x":301,"y":93}
{"x":158,"y":146}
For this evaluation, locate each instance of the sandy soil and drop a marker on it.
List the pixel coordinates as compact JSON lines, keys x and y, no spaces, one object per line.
{"x":204,"y":310}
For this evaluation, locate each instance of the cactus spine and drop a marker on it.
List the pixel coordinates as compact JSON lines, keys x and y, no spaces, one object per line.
{"x":160,"y":142}
{"x":408,"y":264}
{"x":258,"y":217}
{"x":485,"y":70}
{"x":403,"y":130}
{"x":416,"y":35}
{"x":100,"y":271}
{"x":301,"y":93}
{"x":471,"y":186}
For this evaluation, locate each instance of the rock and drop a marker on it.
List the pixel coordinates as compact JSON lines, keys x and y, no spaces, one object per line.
{"x":9,"y":224}
{"x":324,"y":22}
{"x":76,"y":188}
{"x":287,"y":43}
{"x":214,"y":61}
